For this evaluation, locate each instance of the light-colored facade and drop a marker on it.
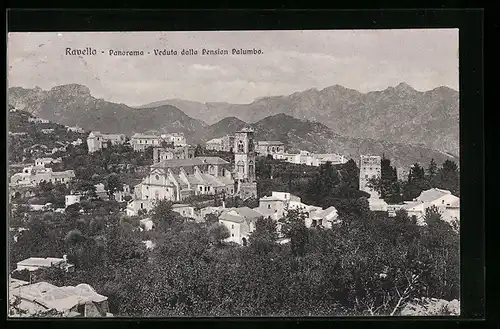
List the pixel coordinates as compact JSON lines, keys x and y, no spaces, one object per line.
{"x":140,"y":142}
{"x":47,"y":130}
{"x":224,"y":144}
{"x":240,"y":222}
{"x":36,"y":263}
{"x":176,"y":153}
{"x":32,"y":176}
{"x":76,"y":129}
{"x":448,"y":205}
{"x":185,"y":210}
{"x":177,"y":139}
{"x":97,"y":141}
{"x":69,"y":301}
{"x":270,"y":147}
{"x":37,"y":120}
{"x":134,"y":206}
{"x":72,"y":199}
{"x":214,"y":144}
{"x":369,"y":168}
{"x":311,"y":159}
{"x":244,"y":163}
{"x":176,"y":180}
{"x":41,"y":162}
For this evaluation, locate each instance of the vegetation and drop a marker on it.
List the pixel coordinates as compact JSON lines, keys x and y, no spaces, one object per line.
{"x":393,"y":190}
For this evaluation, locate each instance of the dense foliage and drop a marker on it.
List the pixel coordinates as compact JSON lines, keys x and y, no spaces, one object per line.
{"x":369,"y":264}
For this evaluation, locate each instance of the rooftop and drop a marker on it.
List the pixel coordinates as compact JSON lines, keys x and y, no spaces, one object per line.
{"x":174,"y":163}
{"x":269,"y":143}
{"x":40,"y":262}
{"x":43,"y":295}
{"x":432,"y":194}
{"x":146,"y":136}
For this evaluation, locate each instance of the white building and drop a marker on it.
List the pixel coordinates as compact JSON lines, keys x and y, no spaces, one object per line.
{"x":447,"y":204}
{"x":41,"y":162}
{"x":311,"y":159}
{"x":270,"y":147}
{"x":37,"y":120}
{"x":176,"y":180}
{"x":72,"y":199}
{"x":240,"y":222}
{"x":134,"y":206}
{"x":178,"y":153}
{"x":140,"y":142}
{"x":177,"y":139}
{"x":97,"y":141}
{"x":69,"y":301}
{"x":225,"y":144}
{"x":185,"y":210}
{"x":47,"y":130}
{"x":326,"y":218}
{"x":147,"y":224}
{"x":36,"y":263}
{"x":75,"y":129}
{"x":32,"y":176}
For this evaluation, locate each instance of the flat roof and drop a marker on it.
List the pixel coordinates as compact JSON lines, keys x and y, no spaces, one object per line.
{"x":174,"y":163}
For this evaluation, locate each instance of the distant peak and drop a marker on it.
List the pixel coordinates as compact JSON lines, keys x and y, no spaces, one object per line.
{"x":72,"y":87}
{"x":404,"y":86}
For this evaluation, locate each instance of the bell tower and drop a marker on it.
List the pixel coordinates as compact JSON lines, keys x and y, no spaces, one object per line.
{"x":244,"y":162}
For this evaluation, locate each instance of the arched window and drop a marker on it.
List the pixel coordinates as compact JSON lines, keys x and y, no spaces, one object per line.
{"x":241,"y":167}
{"x":157,"y":177}
{"x":250,"y":168}
{"x":241,"y":147}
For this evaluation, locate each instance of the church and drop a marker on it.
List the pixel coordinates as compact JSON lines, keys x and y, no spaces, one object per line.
{"x":178,"y":179}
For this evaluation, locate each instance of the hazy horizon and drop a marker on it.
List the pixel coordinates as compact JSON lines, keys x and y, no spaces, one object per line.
{"x":292,"y":61}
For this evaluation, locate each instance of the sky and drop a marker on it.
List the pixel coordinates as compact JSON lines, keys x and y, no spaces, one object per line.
{"x":291,"y":61}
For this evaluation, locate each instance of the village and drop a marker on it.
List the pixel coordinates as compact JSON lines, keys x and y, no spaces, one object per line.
{"x":189,"y":182}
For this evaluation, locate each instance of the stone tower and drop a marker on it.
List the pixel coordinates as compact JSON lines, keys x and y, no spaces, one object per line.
{"x":369,"y":167}
{"x":244,"y":163}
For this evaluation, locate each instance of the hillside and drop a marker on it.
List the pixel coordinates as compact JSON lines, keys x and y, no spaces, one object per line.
{"x":399,"y":114}
{"x":73,"y":104}
{"x":316,"y":137}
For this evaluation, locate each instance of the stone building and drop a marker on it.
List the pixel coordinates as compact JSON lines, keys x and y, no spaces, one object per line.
{"x":369,"y":167}
{"x":97,"y":141}
{"x":270,"y":147}
{"x":175,"y":153}
{"x":244,"y":162}
{"x":140,"y":142}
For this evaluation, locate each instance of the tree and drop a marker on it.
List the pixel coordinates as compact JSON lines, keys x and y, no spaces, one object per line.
{"x":218,"y":233}
{"x":432,"y":173}
{"x":449,"y":177}
{"x":162,"y":214}
{"x":295,"y":229}
{"x":416,"y":183}
{"x":113,"y":184}
{"x":323,"y":185}
{"x":264,"y":237}
{"x":350,"y":174}
{"x":211,"y":219}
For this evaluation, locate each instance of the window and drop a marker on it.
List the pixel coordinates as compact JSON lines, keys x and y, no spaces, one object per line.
{"x":268,"y":206}
{"x":232,"y":235}
{"x":232,"y":226}
{"x":241,"y":148}
{"x":157,"y":177}
{"x":366,"y":176}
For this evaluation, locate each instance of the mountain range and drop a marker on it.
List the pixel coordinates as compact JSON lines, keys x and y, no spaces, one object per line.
{"x":399,"y":114}
{"x":74,"y":105}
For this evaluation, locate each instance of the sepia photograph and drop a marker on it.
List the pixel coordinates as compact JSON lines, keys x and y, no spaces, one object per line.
{"x":298,"y":173}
